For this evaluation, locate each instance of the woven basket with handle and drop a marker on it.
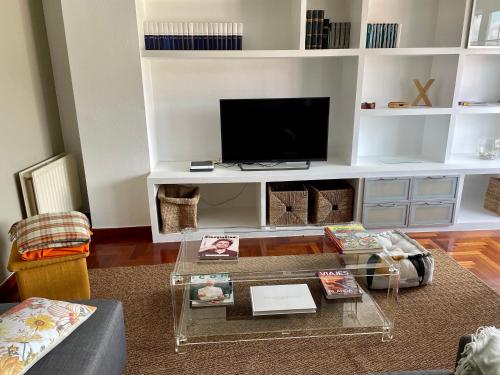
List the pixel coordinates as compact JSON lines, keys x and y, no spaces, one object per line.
{"x":178,"y":207}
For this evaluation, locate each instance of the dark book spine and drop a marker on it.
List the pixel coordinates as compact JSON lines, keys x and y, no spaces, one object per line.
{"x":319,"y":36}
{"x":309,"y":21}
{"x":216,"y":36}
{"x":156,"y":36}
{"x":347,"y":40}
{"x":147,"y":36}
{"x":224,"y":36}
{"x":314,"y":30}
{"x":190,"y":36}
{"x":324,"y":35}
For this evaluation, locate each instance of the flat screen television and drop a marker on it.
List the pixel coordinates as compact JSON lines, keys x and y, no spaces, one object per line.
{"x":274,"y":130}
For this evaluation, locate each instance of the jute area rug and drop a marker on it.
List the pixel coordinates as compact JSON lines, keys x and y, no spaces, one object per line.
{"x":429,"y":323}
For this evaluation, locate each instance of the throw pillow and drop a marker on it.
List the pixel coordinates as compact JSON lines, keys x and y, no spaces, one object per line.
{"x":482,"y":355}
{"x":33,"y":328}
{"x":51,"y":230}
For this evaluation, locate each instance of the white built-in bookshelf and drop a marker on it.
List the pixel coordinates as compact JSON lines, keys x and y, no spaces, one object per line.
{"x":182,"y":91}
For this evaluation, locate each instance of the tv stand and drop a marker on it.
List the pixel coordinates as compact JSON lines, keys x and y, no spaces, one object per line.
{"x":275,"y":166}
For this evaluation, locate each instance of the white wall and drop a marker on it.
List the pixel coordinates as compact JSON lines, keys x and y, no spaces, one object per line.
{"x":30,"y":130}
{"x":105,"y":75}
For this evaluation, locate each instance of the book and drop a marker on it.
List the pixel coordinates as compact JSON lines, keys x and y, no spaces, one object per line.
{"x":309,"y":20}
{"x":211,"y":290}
{"x":219,"y":247}
{"x":319,"y":35}
{"x":352,"y":238}
{"x":325,"y":34}
{"x":339,"y":284}
{"x":281,"y":299}
{"x":314,"y":30}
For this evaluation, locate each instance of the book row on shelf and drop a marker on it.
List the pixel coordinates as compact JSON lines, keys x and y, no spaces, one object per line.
{"x":383,"y":35}
{"x":193,"y":35}
{"x":323,"y":34}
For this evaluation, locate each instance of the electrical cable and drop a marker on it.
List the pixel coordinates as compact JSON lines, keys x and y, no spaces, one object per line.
{"x":224,"y":201}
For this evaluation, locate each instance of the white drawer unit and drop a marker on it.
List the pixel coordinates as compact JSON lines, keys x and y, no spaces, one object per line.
{"x":434,"y":188}
{"x":386,"y":189}
{"x":383,"y":215}
{"x":431,"y":213}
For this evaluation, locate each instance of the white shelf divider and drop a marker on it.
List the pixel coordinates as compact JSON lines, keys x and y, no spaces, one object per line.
{"x":412,"y":111}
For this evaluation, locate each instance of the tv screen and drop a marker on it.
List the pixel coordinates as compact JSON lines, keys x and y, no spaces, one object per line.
{"x":274,"y":130}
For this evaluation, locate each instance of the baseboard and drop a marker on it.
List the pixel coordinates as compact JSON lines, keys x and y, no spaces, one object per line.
{"x":104,"y":234}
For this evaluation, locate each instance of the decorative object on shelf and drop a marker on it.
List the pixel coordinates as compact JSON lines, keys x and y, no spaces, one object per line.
{"x":383,"y":35}
{"x":323,"y":34}
{"x":178,"y":207}
{"x":484,"y":30}
{"x":398,"y":105}
{"x":488,"y":148}
{"x":287,"y":204}
{"x":478,"y":104}
{"x":492,"y":197}
{"x":366,"y":105}
{"x":330,"y":202}
{"x":193,"y":36}
{"x":422,"y":92}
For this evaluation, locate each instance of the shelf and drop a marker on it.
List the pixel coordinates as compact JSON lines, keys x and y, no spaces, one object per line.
{"x":478,"y":110}
{"x":228,"y":217}
{"x":471,"y":212}
{"x":412,"y":111}
{"x":247,"y":54}
{"x":411,"y":51}
{"x":482,"y":51}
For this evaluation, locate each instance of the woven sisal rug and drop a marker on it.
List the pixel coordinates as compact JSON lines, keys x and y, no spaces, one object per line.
{"x":429,"y":322}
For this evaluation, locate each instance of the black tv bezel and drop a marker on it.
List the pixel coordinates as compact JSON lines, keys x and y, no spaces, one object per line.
{"x":256,"y":161}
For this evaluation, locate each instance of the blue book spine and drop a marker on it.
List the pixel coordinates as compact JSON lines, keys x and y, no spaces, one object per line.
{"x":239,"y":37}
{"x":157,"y":37}
{"x":222,"y":42}
{"x":216,"y":37}
{"x":229,"y":36}
{"x":190,"y":36}
{"x":196,"y":37}
{"x":234,"y":36}
{"x":175,"y":36}
{"x":147,"y":36}
{"x":205,"y":36}
{"x":170,"y":33}
{"x":210,"y":37}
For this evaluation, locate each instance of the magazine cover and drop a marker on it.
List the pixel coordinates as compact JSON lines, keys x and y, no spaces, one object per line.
{"x":353,"y":237}
{"x":219,"y":247}
{"x":211,"y":290}
{"x":339,"y":284}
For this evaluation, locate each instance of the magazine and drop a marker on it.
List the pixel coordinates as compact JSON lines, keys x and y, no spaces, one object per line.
{"x":339,"y":284}
{"x":211,"y":290}
{"x":352,"y":238}
{"x":216,"y":247}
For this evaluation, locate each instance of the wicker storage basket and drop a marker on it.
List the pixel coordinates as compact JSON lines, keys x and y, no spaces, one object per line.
{"x":178,"y":207}
{"x":287,"y":204}
{"x":330,"y":202}
{"x":492,"y":197}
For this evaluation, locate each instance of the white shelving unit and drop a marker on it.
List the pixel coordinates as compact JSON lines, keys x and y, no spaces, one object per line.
{"x":182,"y":89}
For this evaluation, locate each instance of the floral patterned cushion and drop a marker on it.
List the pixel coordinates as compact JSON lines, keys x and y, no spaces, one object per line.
{"x":33,"y":328}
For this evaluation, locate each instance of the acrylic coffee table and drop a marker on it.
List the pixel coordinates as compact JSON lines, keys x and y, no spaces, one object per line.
{"x":370,"y":315}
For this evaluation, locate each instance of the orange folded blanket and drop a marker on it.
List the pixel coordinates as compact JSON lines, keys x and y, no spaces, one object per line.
{"x":56,"y":252}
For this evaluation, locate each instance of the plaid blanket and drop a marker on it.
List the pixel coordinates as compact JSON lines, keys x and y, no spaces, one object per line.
{"x":51,"y":230}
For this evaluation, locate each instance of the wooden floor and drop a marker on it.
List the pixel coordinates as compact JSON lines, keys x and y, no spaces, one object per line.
{"x":478,"y":251}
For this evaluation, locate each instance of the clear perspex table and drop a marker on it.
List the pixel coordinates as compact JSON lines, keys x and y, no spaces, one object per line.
{"x":371,"y":314}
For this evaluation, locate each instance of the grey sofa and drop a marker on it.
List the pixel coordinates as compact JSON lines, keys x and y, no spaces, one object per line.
{"x":464,"y":340}
{"x":97,"y":347}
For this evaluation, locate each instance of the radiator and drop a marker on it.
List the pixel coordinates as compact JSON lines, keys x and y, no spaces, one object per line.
{"x":51,"y":186}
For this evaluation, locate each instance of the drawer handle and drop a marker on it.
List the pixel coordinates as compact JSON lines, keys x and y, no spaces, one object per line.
{"x":435,"y":203}
{"x":435,"y":177}
{"x":386,"y":179}
{"x":386,"y":205}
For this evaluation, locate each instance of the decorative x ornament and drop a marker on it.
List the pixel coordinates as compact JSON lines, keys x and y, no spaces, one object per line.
{"x":422,"y":92}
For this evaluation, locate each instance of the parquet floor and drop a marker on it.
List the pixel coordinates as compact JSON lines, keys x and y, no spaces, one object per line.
{"x":478,"y":251}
